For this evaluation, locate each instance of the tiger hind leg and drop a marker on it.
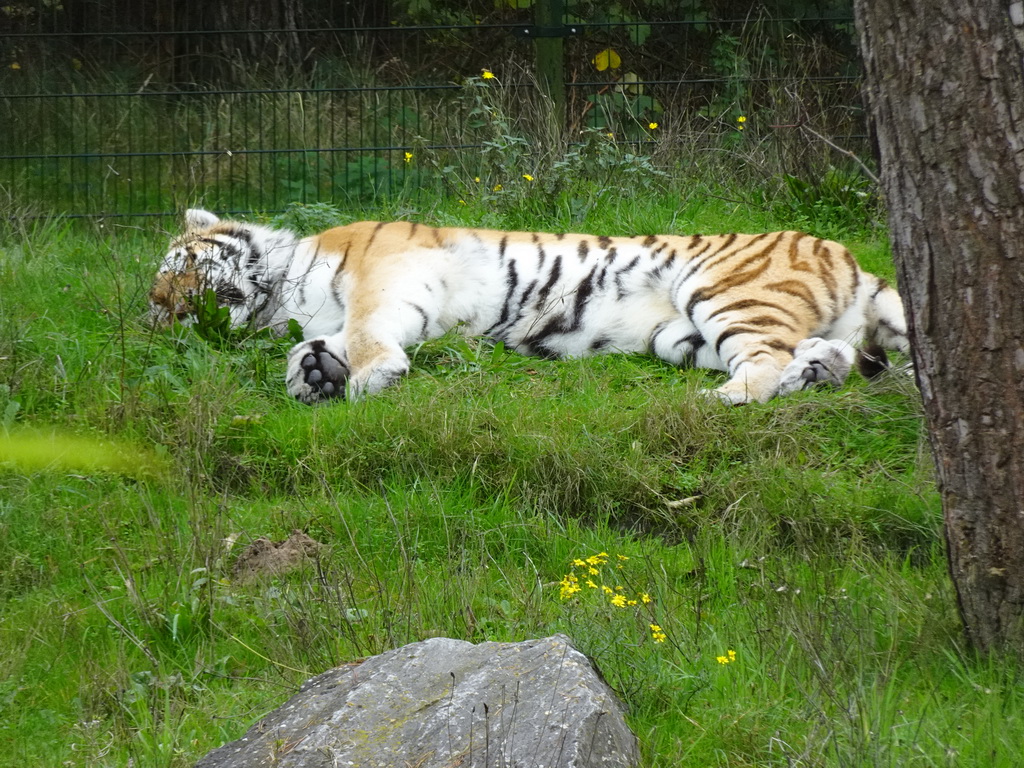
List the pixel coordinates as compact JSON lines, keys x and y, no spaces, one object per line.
{"x":817,"y":362}
{"x":752,"y":381}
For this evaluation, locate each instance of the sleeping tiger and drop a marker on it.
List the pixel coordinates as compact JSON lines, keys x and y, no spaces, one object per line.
{"x":779,"y":312}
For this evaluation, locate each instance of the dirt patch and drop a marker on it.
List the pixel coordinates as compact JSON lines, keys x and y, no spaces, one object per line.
{"x":270,"y":558}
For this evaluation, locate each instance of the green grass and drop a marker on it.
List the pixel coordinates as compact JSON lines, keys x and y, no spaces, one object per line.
{"x":802,"y":534}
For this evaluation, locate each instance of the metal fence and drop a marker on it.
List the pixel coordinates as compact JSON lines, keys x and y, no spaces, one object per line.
{"x":120,"y":114}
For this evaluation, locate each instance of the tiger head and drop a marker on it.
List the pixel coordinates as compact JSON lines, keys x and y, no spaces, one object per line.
{"x":231,"y":259}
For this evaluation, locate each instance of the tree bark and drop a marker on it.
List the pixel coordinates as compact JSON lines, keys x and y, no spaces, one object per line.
{"x":945,"y":89}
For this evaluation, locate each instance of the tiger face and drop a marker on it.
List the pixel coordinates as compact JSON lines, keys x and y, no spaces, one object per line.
{"x":779,"y":312}
{"x":231,"y":260}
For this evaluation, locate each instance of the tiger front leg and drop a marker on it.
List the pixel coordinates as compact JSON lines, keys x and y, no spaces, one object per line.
{"x":317,"y":370}
{"x":325,"y":367}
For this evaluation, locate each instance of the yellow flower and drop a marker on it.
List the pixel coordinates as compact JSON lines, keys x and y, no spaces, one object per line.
{"x":408,"y":156}
{"x":658,"y":634}
{"x":528,"y":177}
{"x":462,"y":202}
{"x":477,"y":180}
{"x":619,"y":601}
{"x":741,"y":119}
{"x":730,"y":657}
{"x":623,"y":557}
{"x":739,"y":127}
{"x":15,"y":65}
{"x":631,"y":603}
{"x":498,"y":187}
{"x":487,"y":74}
{"x":652,"y":126}
{"x":592,"y":571}
{"x":607,"y":590}
{"x":591,"y":584}
{"x":645,"y":598}
{"x":569,"y":586}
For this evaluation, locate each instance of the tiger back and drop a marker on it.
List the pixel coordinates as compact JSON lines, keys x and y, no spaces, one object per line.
{"x":778,"y":311}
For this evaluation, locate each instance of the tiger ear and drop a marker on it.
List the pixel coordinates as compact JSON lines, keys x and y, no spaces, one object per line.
{"x":197,"y":219}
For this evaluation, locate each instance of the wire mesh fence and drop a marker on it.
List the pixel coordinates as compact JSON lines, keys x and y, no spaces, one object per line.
{"x":142,"y":108}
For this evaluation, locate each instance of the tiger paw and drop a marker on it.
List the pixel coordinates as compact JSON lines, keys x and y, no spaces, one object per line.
{"x":816,"y":362}
{"x":316,"y":372}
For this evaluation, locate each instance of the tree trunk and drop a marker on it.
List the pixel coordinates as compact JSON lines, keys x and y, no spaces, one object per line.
{"x":946,"y":92}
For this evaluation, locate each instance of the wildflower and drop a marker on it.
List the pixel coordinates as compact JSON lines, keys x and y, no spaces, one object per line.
{"x":645,"y":598}
{"x":591,"y":584}
{"x":462,"y":202}
{"x":623,"y":557}
{"x":577,"y":563}
{"x":569,"y":587}
{"x":528,"y":177}
{"x":727,"y":659}
{"x":592,"y":570}
{"x":487,"y":74}
{"x":607,"y":590}
{"x":652,"y":126}
{"x":619,"y":601}
{"x":658,"y":634}
{"x":15,"y":65}
{"x":498,"y":187}
{"x":741,"y":119}
{"x":631,"y":603}
{"x":408,"y":156}
{"x":476,"y":179}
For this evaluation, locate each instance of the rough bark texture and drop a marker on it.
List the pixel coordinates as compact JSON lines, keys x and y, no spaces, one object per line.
{"x":946,"y":91}
{"x":445,"y":703}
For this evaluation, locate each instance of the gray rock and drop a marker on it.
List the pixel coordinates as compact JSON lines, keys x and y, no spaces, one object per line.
{"x":445,"y":703}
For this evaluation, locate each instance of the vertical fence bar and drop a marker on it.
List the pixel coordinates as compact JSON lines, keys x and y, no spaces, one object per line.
{"x":549,"y":16}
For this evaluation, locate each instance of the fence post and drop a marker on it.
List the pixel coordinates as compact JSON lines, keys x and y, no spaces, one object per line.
{"x":549,"y":16}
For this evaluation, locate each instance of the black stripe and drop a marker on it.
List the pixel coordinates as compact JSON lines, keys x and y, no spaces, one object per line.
{"x":556,"y":273}
{"x":511,"y":280}
{"x":373,"y":236}
{"x":527,"y":292}
{"x":620,"y":273}
{"x":749,"y":304}
{"x":422,"y":313}
{"x":561,"y":323}
{"x":775,"y":344}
